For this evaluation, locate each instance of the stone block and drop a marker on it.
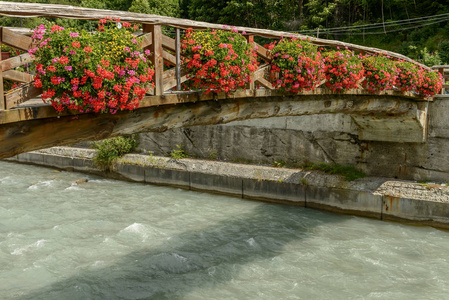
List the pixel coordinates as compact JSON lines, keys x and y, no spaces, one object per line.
{"x":159,"y":176}
{"x":31,"y":157}
{"x":132,"y":172}
{"x":56,"y":161}
{"x":220,"y":184}
{"x":415,"y":211}
{"x":344,"y":201}
{"x":275,"y":191}
{"x":84,"y":165}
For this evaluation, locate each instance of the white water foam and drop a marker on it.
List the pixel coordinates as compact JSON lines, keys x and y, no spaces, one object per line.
{"x":74,"y":187}
{"x":37,"y":244}
{"x":40,"y":184}
{"x":137,"y":228}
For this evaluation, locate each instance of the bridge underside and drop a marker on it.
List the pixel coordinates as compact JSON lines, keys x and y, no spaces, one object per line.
{"x":387,"y":117}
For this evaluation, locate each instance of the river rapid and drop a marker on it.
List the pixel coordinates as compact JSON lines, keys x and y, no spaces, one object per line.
{"x":108,"y":239}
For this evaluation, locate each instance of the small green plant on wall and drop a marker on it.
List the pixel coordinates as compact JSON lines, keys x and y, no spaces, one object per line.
{"x":110,"y":149}
{"x":179,"y":152}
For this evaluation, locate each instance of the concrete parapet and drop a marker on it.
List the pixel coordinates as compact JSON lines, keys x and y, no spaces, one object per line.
{"x":277,"y":191}
{"x":415,"y":211}
{"x":221,"y":184}
{"x":168,"y":177}
{"x":131,"y":172}
{"x":347,"y":201}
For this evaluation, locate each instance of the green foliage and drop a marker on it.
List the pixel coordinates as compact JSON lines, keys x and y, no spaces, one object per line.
{"x":156,"y":7}
{"x":179,"y":152}
{"x":279,"y":163}
{"x":110,"y":149}
{"x":349,"y":172}
{"x":444,"y":52}
{"x":213,"y":155}
{"x":429,"y":59}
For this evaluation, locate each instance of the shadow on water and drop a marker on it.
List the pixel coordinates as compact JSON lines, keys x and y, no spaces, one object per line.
{"x":193,"y":260}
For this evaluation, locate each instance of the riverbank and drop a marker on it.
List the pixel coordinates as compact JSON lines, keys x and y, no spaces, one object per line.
{"x":380,"y":198}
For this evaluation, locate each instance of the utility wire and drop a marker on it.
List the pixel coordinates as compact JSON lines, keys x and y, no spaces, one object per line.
{"x":377,"y":25}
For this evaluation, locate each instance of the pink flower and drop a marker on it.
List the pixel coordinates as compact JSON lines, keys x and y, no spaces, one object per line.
{"x":74,"y":34}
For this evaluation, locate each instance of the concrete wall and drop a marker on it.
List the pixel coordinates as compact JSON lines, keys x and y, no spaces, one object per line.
{"x":317,"y":138}
{"x":371,"y":197}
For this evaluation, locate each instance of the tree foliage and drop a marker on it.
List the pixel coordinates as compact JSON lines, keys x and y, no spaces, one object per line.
{"x":293,"y":15}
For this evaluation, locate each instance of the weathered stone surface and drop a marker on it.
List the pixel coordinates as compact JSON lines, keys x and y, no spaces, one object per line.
{"x":266,"y":190}
{"x":219,"y":183}
{"x":319,"y":138}
{"x":344,"y":201}
{"x":177,"y":178}
{"x":132,"y":172}
{"x":416,"y":211}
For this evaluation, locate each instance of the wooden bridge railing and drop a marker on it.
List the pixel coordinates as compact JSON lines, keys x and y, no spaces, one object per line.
{"x":444,"y":71}
{"x":153,"y":39}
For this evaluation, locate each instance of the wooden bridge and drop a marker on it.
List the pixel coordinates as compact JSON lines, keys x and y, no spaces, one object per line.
{"x":27,"y":124}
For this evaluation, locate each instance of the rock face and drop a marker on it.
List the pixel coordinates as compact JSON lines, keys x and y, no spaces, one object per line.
{"x":317,"y":138}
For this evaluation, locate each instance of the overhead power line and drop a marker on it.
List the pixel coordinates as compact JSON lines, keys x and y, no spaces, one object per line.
{"x":425,"y":21}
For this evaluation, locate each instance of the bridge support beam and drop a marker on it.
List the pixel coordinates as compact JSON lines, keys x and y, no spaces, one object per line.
{"x":369,"y":112}
{"x":408,"y":128}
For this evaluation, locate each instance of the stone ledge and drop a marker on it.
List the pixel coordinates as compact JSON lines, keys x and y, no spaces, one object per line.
{"x":380,"y":198}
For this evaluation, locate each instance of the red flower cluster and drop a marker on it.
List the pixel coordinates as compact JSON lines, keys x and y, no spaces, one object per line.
{"x":296,"y":66}
{"x":218,"y":61}
{"x":87,"y":82}
{"x":430,"y":83}
{"x":343,"y":70}
{"x":380,"y":73}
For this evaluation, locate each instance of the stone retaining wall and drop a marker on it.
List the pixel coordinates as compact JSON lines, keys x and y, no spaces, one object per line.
{"x":379,"y":198}
{"x":317,"y":138}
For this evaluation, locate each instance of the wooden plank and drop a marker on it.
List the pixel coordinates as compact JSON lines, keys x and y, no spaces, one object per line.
{"x":170,"y":79}
{"x":73,"y":12}
{"x":262,"y":71}
{"x":178,"y":59}
{"x":20,"y":95}
{"x":168,"y":43}
{"x":2,"y":92}
{"x":16,"y":40}
{"x":265,"y":83}
{"x":157,"y":58}
{"x":16,"y":61}
{"x":18,"y":76}
{"x":170,"y":58}
{"x":147,"y":39}
{"x":263,"y":52}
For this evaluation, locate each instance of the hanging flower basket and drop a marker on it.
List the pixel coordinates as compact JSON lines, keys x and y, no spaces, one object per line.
{"x":217,"y":61}
{"x":104,"y":71}
{"x":297,"y":66}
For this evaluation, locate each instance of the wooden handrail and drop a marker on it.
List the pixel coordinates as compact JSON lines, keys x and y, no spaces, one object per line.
{"x":159,"y":44}
{"x":444,"y":71}
{"x":74,"y":12}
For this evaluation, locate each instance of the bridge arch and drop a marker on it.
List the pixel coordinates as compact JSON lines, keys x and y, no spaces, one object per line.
{"x":29,"y":125}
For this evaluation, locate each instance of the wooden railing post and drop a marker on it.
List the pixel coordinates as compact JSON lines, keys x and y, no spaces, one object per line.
{"x":2,"y":92}
{"x":156,"y":56}
{"x":250,"y":39}
{"x":178,"y":59}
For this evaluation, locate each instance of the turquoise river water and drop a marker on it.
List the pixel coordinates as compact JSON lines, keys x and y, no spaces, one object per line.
{"x":108,"y":239}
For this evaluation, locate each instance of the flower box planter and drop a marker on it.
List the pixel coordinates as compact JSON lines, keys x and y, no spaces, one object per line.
{"x":5,"y":55}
